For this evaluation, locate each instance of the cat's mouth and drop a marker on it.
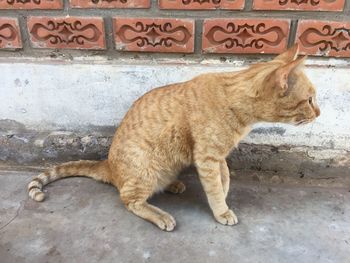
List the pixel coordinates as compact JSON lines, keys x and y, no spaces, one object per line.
{"x":303,"y":122}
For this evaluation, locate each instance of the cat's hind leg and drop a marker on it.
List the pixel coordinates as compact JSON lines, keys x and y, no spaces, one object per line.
{"x":153,"y":214}
{"x":134,"y":195}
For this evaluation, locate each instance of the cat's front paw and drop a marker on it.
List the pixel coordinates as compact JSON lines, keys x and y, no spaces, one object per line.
{"x":227,"y":218}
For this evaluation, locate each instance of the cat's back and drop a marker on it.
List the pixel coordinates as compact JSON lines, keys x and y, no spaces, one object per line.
{"x":153,"y":111}
{"x":169,"y":104}
{"x":158,"y":104}
{"x":161,"y":119}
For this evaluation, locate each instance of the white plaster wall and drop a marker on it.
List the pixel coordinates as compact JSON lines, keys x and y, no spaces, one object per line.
{"x":47,"y":95}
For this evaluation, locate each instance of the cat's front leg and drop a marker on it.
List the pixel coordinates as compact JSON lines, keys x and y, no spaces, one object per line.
{"x":225,"y":177}
{"x":209,"y":169}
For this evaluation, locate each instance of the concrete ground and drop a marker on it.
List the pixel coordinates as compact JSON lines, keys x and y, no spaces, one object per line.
{"x":85,"y":221}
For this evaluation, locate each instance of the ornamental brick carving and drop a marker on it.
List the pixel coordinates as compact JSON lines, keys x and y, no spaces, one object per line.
{"x":201,"y":4}
{"x":67,"y":32}
{"x":31,"y":4}
{"x":323,"y":38}
{"x":110,"y":3}
{"x":9,"y":33}
{"x":303,"y":5}
{"x":154,"y":35}
{"x":245,"y":35}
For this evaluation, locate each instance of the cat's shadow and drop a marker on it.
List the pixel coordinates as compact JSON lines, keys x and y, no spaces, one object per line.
{"x":195,"y":200}
{"x":192,"y":199}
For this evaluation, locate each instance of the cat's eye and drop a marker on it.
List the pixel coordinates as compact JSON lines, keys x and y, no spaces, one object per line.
{"x":310,"y":100}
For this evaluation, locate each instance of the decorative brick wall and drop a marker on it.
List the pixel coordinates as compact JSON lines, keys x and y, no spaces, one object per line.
{"x":198,"y":27}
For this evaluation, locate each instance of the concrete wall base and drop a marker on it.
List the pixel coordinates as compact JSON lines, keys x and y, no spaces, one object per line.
{"x":43,"y":148}
{"x":54,"y":110}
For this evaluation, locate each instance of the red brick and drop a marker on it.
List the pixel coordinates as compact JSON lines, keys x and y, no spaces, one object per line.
{"x":302,"y":5}
{"x":67,"y":32}
{"x":245,"y":35}
{"x":10,"y":36}
{"x":31,"y":4}
{"x":154,"y":34}
{"x":110,"y":3}
{"x":201,"y":4}
{"x":324,"y":38}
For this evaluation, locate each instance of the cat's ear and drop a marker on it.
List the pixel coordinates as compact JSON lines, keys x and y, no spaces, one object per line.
{"x":282,"y":73}
{"x":289,"y":55}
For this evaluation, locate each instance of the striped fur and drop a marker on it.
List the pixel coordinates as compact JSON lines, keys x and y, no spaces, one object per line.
{"x":98,"y":170}
{"x":196,"y":122}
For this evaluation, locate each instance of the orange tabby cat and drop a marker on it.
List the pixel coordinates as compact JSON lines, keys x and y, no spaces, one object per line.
{"x":196,"y":122}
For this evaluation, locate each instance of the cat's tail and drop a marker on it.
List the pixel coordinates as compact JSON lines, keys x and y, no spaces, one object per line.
{"x":98,"y":170}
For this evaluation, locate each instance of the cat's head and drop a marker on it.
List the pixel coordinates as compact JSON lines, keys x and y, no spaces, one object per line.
{"x":289,"y":96}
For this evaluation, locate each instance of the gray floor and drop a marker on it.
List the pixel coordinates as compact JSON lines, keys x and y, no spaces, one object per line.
{"x":84,"y":221}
